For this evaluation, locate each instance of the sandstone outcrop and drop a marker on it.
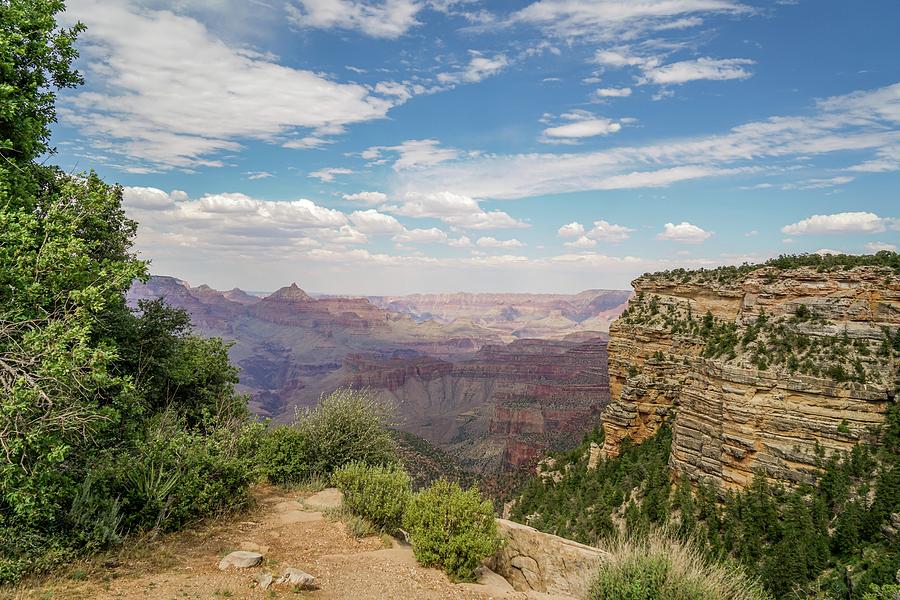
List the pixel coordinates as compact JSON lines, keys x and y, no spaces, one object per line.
{"x":531,"y":560}
{"x":762,"y":370}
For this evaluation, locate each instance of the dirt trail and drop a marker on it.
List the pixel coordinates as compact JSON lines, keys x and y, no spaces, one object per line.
{"x":289,"y":533}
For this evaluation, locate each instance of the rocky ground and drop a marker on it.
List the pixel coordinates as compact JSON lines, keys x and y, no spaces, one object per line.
{"x":290,"y":530}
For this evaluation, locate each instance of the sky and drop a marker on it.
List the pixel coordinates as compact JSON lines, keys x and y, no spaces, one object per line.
{"x":402,"y":146}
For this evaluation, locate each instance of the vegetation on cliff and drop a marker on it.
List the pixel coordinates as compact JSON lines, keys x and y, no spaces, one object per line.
{"x":822,"y":263}
{"x":835,"y":539}
{"x":798,"y":343}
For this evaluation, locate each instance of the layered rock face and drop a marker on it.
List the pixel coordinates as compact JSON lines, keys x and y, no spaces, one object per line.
{"x":516,"y":315}
{"x":486,"y":397}
{"x":763,"y":370}
{"x":501,"y":408}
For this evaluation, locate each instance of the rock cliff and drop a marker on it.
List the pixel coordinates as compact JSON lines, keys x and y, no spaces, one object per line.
{"x":757,"y":369}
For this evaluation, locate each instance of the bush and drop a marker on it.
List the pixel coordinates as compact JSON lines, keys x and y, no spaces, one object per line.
{"x":347,"y":426}
{"x":451,"y":528}
{"x":655,"y":567}
{"x":378,"y":494}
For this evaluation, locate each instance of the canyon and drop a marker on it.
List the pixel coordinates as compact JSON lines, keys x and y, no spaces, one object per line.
{"x":757,"y":370}
{"x":496,"y":380}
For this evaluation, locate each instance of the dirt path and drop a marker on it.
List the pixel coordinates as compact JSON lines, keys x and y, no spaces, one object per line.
{"x":288,"y":533}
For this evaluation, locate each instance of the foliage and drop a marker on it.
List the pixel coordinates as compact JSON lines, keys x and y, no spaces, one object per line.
{"x":584,"y":503}
{"x":657,"y":566}
{"x":379,"y":494}
{"x":451,"y":528}
{"x":112,"y":421}
{"x":347,"y":426}
{"x":828,"y":537}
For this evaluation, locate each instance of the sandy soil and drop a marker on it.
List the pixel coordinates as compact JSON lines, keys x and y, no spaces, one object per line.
{"x":289,"y":533}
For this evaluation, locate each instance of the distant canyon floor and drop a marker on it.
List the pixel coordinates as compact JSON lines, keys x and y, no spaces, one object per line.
{"x":495,"y":380}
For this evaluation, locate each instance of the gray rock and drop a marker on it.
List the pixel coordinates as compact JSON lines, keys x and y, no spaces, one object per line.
{"x":241,"y":559}
{"x":297,"y":578}
{"x":264,"y":580}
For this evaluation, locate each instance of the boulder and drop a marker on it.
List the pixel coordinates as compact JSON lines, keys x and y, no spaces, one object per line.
{"x":533,"y":561}
{"x":264,"y":581}
{"x":297,"y":578}
{"x":241,"y":559}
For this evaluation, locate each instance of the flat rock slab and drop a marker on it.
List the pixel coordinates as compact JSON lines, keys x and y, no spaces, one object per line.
{"x":241,"y":559}
{"x":327,"y":498}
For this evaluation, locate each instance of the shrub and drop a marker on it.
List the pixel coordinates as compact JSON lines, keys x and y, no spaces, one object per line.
{"x":656,"y":567}
{"x":451,"y":528}
{"x":347,"y":426}
{"x":378,"y":494}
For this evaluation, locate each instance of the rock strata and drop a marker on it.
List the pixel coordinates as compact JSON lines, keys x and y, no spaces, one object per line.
{"x":763,"y":372}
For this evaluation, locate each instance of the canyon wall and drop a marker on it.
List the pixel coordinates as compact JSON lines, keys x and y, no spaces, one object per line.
{"x":761,"y":370}
{"x":464,"y":380}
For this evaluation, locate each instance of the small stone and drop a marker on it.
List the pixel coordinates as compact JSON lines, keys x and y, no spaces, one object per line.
{"x":265,"y":580}
{"x":240,"y":559}
{"x":297,"y":578}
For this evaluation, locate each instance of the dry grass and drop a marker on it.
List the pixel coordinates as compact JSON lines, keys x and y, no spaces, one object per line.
{"x":659,"y":566}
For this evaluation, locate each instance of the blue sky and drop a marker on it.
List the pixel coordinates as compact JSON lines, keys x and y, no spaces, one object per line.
{"x":397,"y":146}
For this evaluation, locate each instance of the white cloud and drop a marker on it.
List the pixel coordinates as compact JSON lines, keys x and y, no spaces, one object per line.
{"x":327,"y":175}
{"x":622,"y":57}
{"x":367,"y":197}
{"x":479,"y":67}
{"x":581,"y":242}
{"x":492,"y":242}
{"x":614,"y":19}
{"x":372,"y":221}
{"x":845,"y":222}
{"x":609,"y":232}
{"x":456,"y":210}
{"x":612,"y":92}
{"x":573,"y":229}
{"x":411,"y":154}
{"x":380,"y":19}
{"x":584,"y":128}
{"x":177,"y":96}
{"x":879,"y":246}
{"x":700,"y":68}
{"x":148,"y":198}
{"x":253,"y":175}
{"x":856,"y":123}
{"x":887,"y":160}
{"x":431,"y":235}
{"x":684,"y":232}
{"x":817,"y":184}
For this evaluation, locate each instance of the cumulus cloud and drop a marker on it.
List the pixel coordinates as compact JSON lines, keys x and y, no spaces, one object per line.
{"x":374,"y":222}
{"x":602,"y":93}
{"x":411,"y":154}
{"x":431,"y":235}
{"x":697,"y":69}
{"x":573,"y":229}
{"x":367,"y":197}
{"x":581,"y":242}
{"x":683,"y":232}
{"x":879,"y":246}
{"x":386,"y":19}
{"x":609,"y":232}
{"x":845,"y":222}
{"x":454,"y":209}
{"x":327,"y":175}
{"x":492,"y":242}
{"x":479,"y":67}
{"x":159,"y":108}
{"x":579,"y":124}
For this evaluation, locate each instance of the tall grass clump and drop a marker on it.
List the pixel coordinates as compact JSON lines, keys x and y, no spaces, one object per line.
{"x":347,"y":426}
{"x":376,"y":493}
{"x":656,"y":566}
